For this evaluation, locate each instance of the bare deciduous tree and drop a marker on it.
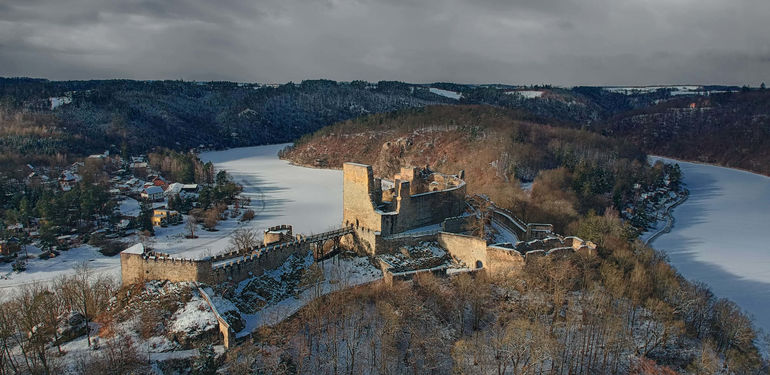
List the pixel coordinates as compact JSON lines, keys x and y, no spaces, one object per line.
{"x":244,"y":239}
{"x":192,"y":223}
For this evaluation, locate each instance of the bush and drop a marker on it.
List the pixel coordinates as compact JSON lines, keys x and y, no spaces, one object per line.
{"x":248,"y":215}
{"x":107,"y":246}
{"x":210,"y":219}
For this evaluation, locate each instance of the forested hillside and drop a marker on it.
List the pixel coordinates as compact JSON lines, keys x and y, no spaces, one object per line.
{"x":625,"y":311}
{"x":574,"y":171}
{"x":80,"y":117}
{"x":47,"y":121}
{"x":732,"y":130}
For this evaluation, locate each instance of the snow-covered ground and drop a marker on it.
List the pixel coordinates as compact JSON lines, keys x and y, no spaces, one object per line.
{"x":720,"y":235}
{"x":39,"y":270}
{"x":503,"y":234}
{"x":59,"y":101}
{"x":129,"y":207}
{"x":338,"y":273}
{"x":527,"y":94}
{"x":630,"y":90}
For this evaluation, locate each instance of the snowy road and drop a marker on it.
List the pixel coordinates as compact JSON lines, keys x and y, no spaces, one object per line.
{"x":720,"y":235}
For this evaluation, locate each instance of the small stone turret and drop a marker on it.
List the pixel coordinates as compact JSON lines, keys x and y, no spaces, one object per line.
{"x":279,"y":233}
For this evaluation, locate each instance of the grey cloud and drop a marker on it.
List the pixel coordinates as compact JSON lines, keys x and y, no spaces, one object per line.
{"x":513,"y":41}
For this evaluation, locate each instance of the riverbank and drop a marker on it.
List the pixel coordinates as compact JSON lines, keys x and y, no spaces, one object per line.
{"x":669,"y":220}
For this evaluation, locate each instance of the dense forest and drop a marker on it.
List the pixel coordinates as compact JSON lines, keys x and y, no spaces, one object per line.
{"x":49,"y":122}
{"x":732,"y":130}
{"x":81,"y":117}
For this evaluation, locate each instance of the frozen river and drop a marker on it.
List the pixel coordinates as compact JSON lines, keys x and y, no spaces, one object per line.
{"x":308,"y":199}
{"x":721,"y":235}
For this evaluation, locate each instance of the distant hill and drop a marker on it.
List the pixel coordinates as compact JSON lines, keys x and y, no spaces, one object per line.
{"x":730,"y":129}
{"x":45,"y":121}
{"x":497,"y":148}
{"x":89,"y":116}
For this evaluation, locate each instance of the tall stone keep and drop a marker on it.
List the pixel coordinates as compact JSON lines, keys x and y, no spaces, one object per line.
{"x":360,"y":195}
{"x":416,"y":198}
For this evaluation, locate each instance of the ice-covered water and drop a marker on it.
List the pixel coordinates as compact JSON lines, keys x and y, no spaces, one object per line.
{"x":308,"y":199}
{"x":721,"y":235}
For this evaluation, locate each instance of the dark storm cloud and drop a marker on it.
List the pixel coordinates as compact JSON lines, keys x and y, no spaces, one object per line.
{"x":513,"y":41}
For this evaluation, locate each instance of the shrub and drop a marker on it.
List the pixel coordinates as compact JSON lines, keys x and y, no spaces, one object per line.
{"x":248,"y":215}
{"x":210,"y":219}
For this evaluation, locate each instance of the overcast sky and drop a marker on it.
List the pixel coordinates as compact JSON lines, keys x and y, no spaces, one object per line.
{"x":568,"y":42}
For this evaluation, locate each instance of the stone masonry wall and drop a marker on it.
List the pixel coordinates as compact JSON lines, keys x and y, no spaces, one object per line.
{"x":468,"y":249}
{"x":427,"y":208}
{"x":501,"y":260}
{"x":254,"y":265}
{"x":359,"y":193}
{"x":135,"y":268}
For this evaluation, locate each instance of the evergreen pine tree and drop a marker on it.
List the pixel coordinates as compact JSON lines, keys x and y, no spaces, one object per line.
{"x":145,"y":218}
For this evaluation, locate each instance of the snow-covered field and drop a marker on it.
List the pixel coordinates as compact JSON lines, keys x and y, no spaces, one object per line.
{"x":281,"y":193}
{"x":527,"y":94}
{"x":720,"y":235}
{"x":39,"y":270}
{"x":446,"y":93}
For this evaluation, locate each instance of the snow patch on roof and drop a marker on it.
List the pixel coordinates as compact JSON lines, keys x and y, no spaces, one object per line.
{"x":136,"y":249}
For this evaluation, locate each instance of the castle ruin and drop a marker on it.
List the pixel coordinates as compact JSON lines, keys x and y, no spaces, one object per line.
{"x":379,"y":216}
{"x":416,"y":198}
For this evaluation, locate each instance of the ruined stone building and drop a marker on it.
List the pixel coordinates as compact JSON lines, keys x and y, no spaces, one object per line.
{"x":415,"y":198}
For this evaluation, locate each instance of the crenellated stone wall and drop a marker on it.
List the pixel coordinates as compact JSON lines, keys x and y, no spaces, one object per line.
{"x":497,"y":258}
{"x":137,"y":268}
{"x":278,"y":233}
{"x":256,"y":264}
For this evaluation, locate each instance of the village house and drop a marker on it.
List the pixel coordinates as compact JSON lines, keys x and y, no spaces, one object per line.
{"x":190,"y":188}
{"x":68,"y":180}
{"x":152,"y":193}
{"x":162,"y":217}
{"x":68,"y":240}
{"x":158,"y":181}
{"x":181,"y":189}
